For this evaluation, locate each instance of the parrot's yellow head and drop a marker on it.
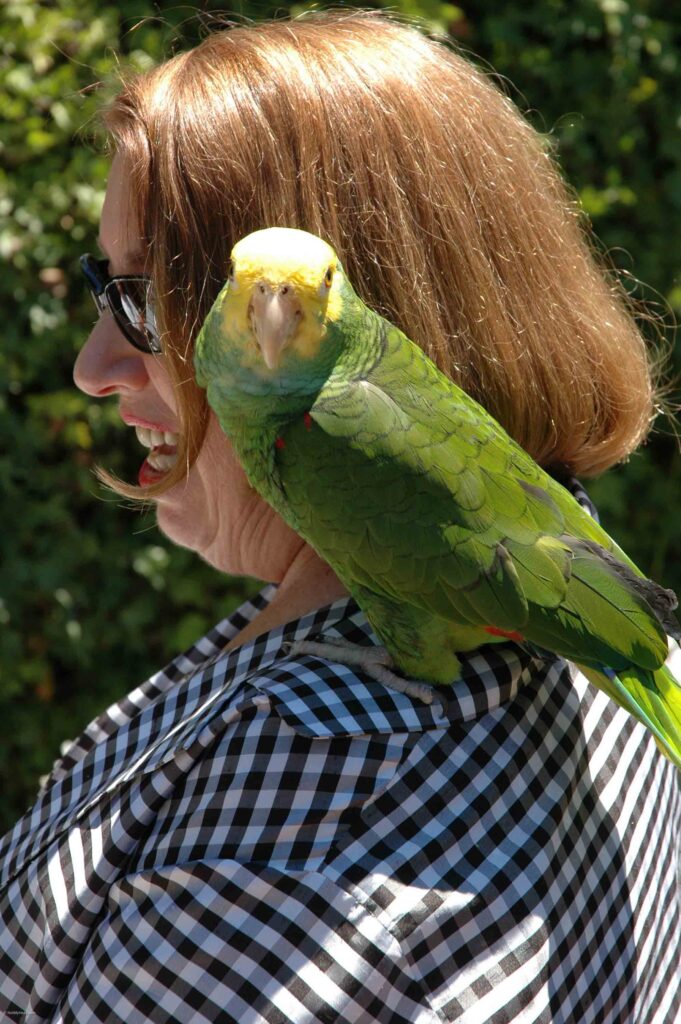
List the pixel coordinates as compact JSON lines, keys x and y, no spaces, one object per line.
{"x":284,"y":288}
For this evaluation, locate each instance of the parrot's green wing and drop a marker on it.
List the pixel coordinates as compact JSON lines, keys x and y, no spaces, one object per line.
{"x":417,"y":496}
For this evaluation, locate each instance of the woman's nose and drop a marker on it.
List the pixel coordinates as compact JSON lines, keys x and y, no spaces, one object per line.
{"x":108,"y":364}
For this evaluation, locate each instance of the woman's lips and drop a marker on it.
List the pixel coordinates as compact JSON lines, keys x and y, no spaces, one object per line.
{"x":162,"y":445}
{"x":158,"y":462}
{"x":147,"y":475}
{"x":138,"y":421}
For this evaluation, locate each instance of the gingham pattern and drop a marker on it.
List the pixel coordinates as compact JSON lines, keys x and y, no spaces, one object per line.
{"x":259,"y":839}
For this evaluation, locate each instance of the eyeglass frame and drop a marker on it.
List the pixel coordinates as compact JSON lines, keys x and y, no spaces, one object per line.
{"x":98,"y":281}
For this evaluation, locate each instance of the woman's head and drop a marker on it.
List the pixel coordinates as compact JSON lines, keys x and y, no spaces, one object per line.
{"x":442,"y":202}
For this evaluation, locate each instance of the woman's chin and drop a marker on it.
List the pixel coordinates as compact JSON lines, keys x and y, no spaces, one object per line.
{"x":175,"y":520}
{"x":189,"y":530}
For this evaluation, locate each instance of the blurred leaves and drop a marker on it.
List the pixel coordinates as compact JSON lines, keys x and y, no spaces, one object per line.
{"x":92,"y":597}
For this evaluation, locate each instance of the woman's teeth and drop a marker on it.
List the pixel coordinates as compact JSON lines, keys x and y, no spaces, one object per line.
{"x":161,"y":459}
{"x":154,"y":438}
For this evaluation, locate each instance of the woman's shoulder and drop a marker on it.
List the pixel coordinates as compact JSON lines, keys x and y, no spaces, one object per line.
{"x":314,"y":696}
{"x":204,"y":714}
{"x":230,"y":726}
{"x":206,"y":691}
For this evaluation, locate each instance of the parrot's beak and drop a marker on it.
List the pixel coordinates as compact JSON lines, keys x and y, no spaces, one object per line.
{"x":275,"y":314}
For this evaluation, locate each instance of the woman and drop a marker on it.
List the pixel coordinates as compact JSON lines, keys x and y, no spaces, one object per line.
{"x":253,"y":837}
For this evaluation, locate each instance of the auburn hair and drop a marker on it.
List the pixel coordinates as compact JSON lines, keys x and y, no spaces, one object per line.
{"x":445,"y":206}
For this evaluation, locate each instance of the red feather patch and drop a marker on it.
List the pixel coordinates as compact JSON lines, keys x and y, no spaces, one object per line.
{"x":510,"y":634}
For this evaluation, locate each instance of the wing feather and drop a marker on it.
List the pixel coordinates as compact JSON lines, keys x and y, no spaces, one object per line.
{"x":429,"y":502}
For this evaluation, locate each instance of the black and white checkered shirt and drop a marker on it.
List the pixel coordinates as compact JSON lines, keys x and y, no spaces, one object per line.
{"x":259,"y":839}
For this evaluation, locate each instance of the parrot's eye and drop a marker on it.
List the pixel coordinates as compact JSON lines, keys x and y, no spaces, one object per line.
{"x":327,"y":281}
{"x":231,"y":274}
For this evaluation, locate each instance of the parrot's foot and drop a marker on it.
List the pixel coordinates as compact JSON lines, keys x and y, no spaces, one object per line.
{"x":374,"y":661}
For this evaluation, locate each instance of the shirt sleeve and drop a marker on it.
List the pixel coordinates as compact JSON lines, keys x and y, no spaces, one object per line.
{"x":220,"y":941}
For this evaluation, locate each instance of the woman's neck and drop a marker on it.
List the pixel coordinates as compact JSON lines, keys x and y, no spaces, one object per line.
{"x":308,"y":583}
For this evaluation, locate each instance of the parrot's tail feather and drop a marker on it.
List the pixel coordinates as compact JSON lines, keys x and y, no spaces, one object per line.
{"x":654,"y":698}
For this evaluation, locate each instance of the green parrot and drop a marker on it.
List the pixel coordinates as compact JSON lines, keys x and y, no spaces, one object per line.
{"x":446,"y":532}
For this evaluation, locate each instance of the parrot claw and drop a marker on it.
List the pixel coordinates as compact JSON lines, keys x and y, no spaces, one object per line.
{"x":375,"y":662}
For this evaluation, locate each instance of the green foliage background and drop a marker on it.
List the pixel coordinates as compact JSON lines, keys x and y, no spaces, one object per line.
{"x":92,"y":598}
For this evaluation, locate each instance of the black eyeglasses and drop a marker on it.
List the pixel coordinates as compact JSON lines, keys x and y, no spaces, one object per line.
{"x":128,"y":297}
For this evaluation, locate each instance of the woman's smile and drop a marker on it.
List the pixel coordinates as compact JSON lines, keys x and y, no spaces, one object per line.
{"x":162,"y":443}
